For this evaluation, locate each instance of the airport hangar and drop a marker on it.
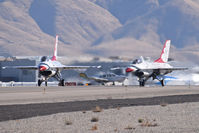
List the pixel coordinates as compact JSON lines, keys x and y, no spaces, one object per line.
{"x":17,"y":75}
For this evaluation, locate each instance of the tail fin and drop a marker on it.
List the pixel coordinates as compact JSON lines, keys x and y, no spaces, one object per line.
{"x":165,"y":53}
{"x":54,"y":58}
{"x":142,"y":59}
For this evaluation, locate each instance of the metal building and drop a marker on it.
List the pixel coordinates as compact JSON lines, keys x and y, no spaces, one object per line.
{"x":18,"y":75}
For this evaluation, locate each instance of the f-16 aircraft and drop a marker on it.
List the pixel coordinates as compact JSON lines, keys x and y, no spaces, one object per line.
{"x":50,"y":67}
{"x":157,"y":69}
{"x":105,"y":78}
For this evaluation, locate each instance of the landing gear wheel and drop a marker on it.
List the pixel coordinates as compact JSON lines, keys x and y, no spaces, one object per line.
{"x":162,"y":82}
{"x":46,"y":83}
{"x":39,"y":82}
{"x":142,"y":83}
{"x":62,"y":82}
{"x":113,"y":83}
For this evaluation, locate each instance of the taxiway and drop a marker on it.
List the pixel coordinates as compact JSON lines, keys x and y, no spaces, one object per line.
{"x":27,"y":95}
{"x":25,"y":102}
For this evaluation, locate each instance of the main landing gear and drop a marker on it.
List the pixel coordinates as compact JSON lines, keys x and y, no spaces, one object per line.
{"x":161,"y":79}
{"x":40,"y":82}
{"x":60,"y":79}
{"x":162,"y":82}
{"x":61,"y":83}
{"x":141,"y":82}
{"x":56,"y":76}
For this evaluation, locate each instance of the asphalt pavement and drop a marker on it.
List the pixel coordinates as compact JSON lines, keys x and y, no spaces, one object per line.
{"x":23,"y":102}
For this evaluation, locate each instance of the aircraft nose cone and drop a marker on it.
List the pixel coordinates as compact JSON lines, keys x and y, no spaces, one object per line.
{"x":129,"y":69}
{"x":42,"y":68}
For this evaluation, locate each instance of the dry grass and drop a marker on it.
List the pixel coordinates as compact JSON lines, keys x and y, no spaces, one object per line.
{"x":94,"y":119}
{"x":129,"y":128}
{"x":67,"y":122}
{"x":115,"y":130}
{"x":94,"y":128}
{"x":83,"y":112}
{"x":97,"y":109}
{"x":140,"y":120}
{"x":147,"y":123}
{"x":163,"y":104}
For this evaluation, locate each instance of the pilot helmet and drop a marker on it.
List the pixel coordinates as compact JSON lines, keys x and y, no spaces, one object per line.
{"x":44,"y":58}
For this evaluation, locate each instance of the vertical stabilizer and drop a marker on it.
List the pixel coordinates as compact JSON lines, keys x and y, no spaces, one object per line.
{"x":165,"y":53}
{"x":142,"y":59}
{"x":54,"y":58}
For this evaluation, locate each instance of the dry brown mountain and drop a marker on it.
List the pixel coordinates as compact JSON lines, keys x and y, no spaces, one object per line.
{"x":100,"y":27}
{"x":152,"y":22}
{"x":29,"y":27}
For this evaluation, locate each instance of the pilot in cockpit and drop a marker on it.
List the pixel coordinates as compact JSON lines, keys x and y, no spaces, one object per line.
{"x":44,"y":58}
{"x":137,"y":61}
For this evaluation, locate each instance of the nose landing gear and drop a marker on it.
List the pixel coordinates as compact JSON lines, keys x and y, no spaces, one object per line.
{"x":40,"y":82}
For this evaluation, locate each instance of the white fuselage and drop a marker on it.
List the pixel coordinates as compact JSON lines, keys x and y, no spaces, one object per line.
{"x":151,"y":65}
{"x":49,"y":69}
{"x":113,"y":77}
{"x":146,"y":68}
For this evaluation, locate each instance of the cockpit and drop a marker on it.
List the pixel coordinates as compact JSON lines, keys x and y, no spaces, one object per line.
{"x":44,"y":58}
{"x":137,"y":61}
{"x":108,"y":75}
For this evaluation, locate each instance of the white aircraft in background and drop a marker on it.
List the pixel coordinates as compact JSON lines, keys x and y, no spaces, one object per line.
{"x":157,"y":69}
{"x":105,"y":78}
{"x":50,"y":67}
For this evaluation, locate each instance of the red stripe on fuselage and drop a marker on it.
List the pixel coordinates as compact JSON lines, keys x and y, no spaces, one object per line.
{"x":129,"y":70}
{"x":42,"y":68}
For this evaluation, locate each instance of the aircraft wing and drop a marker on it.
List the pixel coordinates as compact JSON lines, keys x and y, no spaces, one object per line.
{"x":177,"y":68}
{"x":75,"y":67}
{"x":98,"y":79}
{"x":21,"y":67}
{"x":166,"y":69}
{"x":58,"y":67}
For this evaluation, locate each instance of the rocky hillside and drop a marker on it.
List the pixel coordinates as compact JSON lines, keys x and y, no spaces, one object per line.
{"x":100,"y":27}
{"x":151,"y":22}
{"x":29,"y":27}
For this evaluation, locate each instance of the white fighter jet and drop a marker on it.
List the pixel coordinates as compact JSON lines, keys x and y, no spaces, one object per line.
{"x":50,"y":67}
{"x":105,"y":78}
{"x":157,"y":69}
